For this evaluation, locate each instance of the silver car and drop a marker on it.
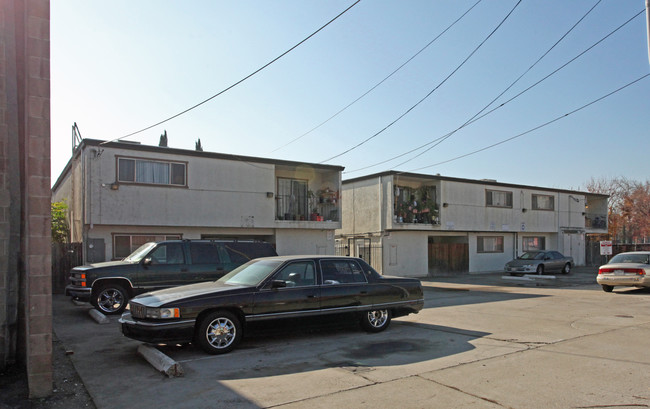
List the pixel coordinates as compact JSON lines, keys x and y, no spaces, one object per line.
{"x":625,"y":269}
{"x":540,"y":262}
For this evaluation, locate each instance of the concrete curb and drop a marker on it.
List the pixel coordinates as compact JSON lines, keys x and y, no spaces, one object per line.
{"x":160,"y":361}
{"x":98,"y":316}
{"x":528,"y":277}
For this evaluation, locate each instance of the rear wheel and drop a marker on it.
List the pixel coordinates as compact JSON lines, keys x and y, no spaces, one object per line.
{"x":375,"y":321}
{"x":219,"y":332}
{"x":566,"y":269}
{"x":110,"y":298}
{"x":540,"y":269}
{"x":607,"y":288}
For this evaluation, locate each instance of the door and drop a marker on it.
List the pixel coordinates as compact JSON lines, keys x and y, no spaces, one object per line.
{"x":164,"y":266}
{"x":344,"y":285}
{"x":298,"y":294}
{"x":206,"y":262}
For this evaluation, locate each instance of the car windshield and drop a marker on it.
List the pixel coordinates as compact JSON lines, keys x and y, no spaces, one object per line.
{"x":251,"y":273}
{"x":532,"y":255}
{"x":630,"y":258}
{"x":139,"y":254}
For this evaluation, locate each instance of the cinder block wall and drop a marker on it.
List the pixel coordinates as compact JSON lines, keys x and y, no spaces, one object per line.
{"x":25,"y":252}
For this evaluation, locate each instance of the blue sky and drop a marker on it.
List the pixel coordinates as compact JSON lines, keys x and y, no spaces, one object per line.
{"x":121,"y":66}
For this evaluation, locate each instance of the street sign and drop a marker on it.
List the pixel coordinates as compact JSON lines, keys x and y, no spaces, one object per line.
{"x":606,"y":248}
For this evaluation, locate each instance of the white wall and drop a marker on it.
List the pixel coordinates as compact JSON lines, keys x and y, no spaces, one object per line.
{"x":361,"y":207}
{"x":466,"y":210}
{"x":405,"y":254}
{"x":490,"y":262}
{"x":289,"y":242}
{"x":220,"y":193}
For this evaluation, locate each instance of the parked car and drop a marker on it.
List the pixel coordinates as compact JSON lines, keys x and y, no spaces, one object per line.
{"x":625,"y":269}
{"x":108,"y":286}
{"x":540,"y":262}
{"x":214,"y":315}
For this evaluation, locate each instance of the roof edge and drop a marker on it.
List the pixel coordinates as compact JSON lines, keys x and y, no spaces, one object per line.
{"x":472,"y":181}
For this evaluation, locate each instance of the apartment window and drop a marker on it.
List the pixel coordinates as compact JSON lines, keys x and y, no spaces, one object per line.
{"x":125,"y":244}
{"x":151,"y":172}
{"x":292,"y":199}
{"x":498,"y":198}
{"x":533,"y":243}
{"x":543,"y":202}
{"x":489,"y":244}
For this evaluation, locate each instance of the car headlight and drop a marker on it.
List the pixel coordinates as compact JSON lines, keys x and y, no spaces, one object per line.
{"x":163,"y":313}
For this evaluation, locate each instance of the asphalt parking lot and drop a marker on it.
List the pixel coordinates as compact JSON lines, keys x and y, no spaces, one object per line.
{"x":481,"y":341}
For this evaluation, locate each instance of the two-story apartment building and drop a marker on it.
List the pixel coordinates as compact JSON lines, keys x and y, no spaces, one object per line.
{"x":123,"y":194}
{"x":419,"y":225}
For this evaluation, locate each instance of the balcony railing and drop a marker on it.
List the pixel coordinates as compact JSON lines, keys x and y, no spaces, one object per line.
{"x":296,"y":208}
{"x":596,"y":221}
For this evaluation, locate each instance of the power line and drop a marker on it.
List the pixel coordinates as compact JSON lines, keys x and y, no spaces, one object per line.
{"x":537,"y":127}
{"x":241,"y":80}
{"x":477,"y":118}
{"x":380,"y":82}
{"x":428,"y":94}
{"x":505,"y":90}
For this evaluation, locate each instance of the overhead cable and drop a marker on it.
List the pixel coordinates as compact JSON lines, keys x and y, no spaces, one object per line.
{"x":428,"y":94}
{"x":535,"y":128}
{"x":477,"y":118}
{"x":241,"y":80}
{"x":449,"y":135}
{"x":380,"y":82}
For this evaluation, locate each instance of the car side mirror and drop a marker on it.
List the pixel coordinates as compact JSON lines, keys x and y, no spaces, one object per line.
{"x":278,"y":284}
{"x":147,"y":261}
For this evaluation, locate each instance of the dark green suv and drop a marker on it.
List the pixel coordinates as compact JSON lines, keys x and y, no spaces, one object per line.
{"x":109,"y":286}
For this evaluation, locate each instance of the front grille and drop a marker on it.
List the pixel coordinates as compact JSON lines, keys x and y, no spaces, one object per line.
{"x":137,"y":310}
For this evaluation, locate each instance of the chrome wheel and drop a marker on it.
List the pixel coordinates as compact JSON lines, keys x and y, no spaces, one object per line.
{"x":218,"y":332}
{"x":376,"y":320}
{"x":111,"y":299}
{"x":221,"y":333}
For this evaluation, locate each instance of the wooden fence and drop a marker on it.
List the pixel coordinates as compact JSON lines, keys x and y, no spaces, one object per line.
{"x":448,"y":258}
{"x":64,"y":257}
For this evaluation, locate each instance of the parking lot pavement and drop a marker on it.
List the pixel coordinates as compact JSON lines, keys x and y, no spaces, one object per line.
{"x":579,"y":276}
{"x":475,"y":344}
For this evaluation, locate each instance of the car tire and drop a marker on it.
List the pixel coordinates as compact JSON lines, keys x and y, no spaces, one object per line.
{"x":375,"y":320}
{"x":607,"y":288}
{"x":540,"y":269}
{"x":218,"y":332}
{"x":110,"y":299}
{"x":566,"y":269}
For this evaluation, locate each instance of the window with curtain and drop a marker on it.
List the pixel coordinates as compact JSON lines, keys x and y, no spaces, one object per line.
{"x":151,"y":172}
{"x":533,"y":243}
{"x":125,"y":244}
{"x":498,"y":198}
{"x":489,"y":244}
{"x":543,"y":202}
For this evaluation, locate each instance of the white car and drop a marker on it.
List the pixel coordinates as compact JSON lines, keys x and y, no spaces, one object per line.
{"x":630,"y":269}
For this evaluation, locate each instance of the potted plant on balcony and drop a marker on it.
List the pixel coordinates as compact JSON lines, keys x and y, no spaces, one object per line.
{"x":313,"y":203}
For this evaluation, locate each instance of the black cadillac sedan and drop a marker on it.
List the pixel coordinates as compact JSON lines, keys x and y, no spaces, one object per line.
{"x":214,"y":314}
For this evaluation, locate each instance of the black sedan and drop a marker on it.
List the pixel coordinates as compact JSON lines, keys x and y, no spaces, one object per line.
{"x":214,"y":314}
